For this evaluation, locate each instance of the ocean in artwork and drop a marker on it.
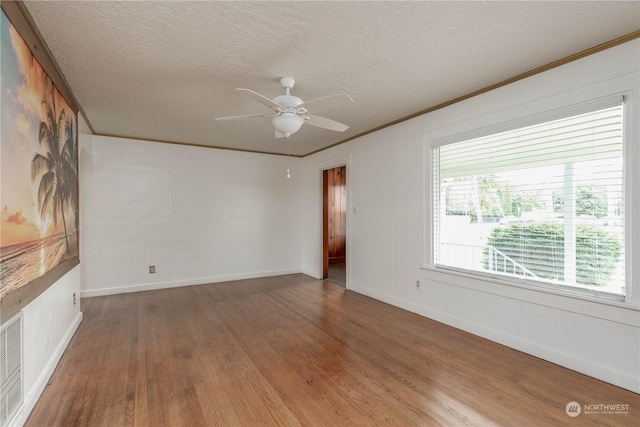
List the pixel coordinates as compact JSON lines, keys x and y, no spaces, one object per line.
{"x":24,"y":262}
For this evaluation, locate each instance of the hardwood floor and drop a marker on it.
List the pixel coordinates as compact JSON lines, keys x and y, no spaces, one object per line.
{"x":291,"y":351}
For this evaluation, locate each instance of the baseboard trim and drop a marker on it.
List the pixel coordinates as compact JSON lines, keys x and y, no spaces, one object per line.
{"x":181,"y":283}
{"x":31,"y":399}
{"x":570,"y":362}
{"x":311,"y":273}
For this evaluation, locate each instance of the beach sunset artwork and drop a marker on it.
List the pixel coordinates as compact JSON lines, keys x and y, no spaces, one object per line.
{"x":38,"y":168}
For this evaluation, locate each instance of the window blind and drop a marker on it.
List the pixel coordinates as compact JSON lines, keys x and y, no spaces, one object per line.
{"x":540,"y":203}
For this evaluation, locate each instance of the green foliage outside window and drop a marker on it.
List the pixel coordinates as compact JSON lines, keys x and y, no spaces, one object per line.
{"x":590,"y":201}
{"x":540,"y":248}
{"x":497,"y":199}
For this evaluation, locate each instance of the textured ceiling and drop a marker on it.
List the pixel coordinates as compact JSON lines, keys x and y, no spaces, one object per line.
{"x":162,"y":70}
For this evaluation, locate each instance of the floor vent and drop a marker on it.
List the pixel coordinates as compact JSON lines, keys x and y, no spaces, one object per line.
{"x":10,"y":369}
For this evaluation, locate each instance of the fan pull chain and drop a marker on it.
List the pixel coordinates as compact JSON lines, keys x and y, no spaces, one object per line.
{"x":288,"y":173}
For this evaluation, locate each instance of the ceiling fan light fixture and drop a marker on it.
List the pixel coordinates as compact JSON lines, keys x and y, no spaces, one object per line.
{"x":287,"y":123}
{"x":291,"y":112}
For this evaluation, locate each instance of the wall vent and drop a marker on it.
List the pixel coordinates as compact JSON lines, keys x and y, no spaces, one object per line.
{"x":10,"y":369}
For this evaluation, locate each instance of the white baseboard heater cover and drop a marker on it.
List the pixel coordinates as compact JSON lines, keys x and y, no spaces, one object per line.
{"x":10,"y":369}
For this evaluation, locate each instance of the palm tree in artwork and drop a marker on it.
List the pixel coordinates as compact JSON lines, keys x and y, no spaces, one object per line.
{"x":56,"y":167}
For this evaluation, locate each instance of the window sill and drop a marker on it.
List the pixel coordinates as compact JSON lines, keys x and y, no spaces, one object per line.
{"x":595,"y":306}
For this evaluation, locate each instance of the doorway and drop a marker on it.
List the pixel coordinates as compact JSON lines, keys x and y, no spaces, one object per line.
{"x":334,"y":225}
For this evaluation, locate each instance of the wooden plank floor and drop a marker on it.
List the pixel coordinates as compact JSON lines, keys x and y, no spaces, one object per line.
{"x":291,"y":351}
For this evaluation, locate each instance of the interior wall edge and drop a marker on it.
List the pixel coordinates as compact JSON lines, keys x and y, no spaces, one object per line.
{"x":182,"y":283}
{"x":189,"y":144}
{"x":311,"y":273}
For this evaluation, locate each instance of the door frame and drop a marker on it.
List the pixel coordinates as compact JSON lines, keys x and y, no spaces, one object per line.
{"x":321,"y":168}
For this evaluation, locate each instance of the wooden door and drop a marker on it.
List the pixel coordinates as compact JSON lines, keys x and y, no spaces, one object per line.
{"x":334,"y":216}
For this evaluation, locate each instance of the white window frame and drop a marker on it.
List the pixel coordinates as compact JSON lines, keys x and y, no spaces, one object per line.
{"x":631,"y":151}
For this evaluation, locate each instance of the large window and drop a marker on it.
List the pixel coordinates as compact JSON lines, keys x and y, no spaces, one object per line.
{"x":540,"y":204}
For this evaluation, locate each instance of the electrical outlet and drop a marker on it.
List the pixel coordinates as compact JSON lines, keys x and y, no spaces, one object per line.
{"x":152,"y":269}
{"x":417,"y":284}
{"x":74,"y":299}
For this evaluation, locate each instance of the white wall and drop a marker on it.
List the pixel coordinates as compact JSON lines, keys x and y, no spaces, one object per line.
{"x":199,"y":215}
{"x":388,"y":241}
{"x":49,"y":323}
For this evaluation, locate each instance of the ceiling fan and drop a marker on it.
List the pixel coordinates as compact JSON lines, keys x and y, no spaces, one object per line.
{"x":290,"y":112}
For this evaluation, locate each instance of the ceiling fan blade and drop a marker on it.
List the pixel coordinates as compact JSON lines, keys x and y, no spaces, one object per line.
{"x":262,"y":99}
{"x":243,"y":117}
{"x":326,"y":103}
{"x":323,"y":122}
